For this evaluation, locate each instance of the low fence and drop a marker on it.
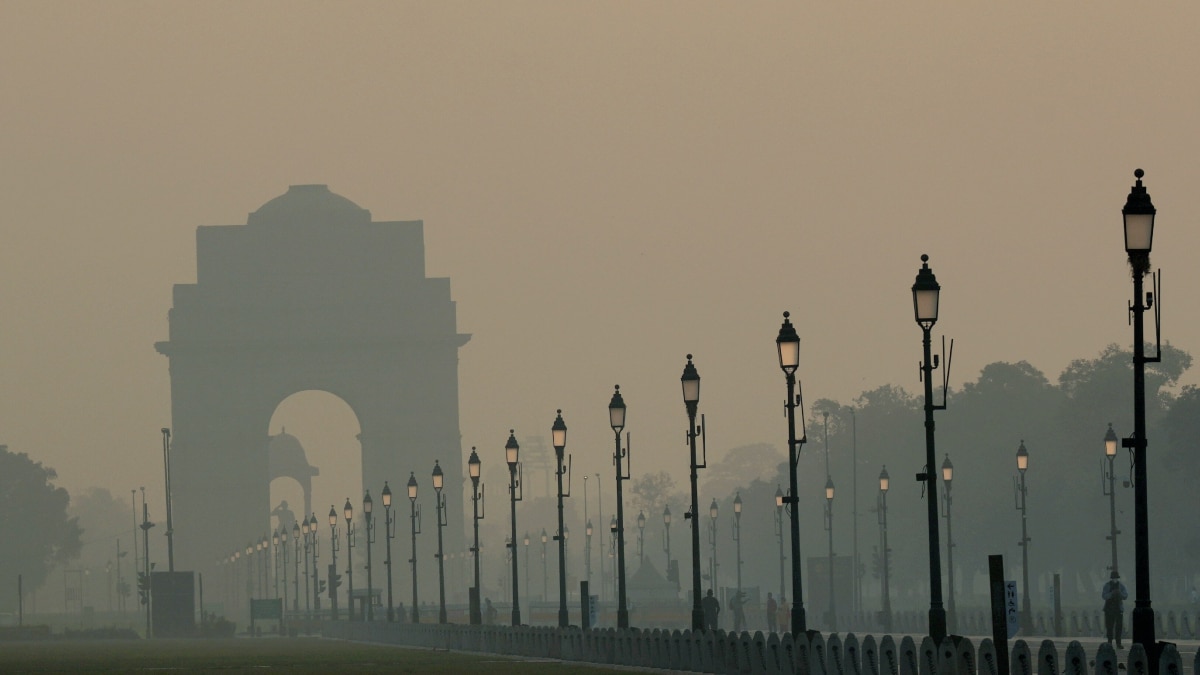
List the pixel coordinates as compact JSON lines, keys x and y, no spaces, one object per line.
{"x":721,"y":652}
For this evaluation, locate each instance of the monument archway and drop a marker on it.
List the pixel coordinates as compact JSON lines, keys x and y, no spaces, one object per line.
{"x":309,"y":294}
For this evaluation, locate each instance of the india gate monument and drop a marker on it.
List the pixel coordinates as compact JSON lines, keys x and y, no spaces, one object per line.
{"x":309,"y":294}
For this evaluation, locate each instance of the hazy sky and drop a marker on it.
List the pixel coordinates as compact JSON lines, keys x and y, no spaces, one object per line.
{"x":608,"y":185}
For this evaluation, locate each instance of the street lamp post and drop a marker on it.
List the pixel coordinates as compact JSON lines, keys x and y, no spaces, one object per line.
{"x":712,"y":540}
{"x":414,"y":518}
{"x":587,"y":554}
{"x":526,"y":542}
{"x":388,"y":533}
{"x":925,"y":292}
{"x":779,"y":536}
{"x":667,"y":541}
{"x":829,"y":529}
{"x":545,"y":576}
{"x":296,"y":568}
{"x":368,"y":508}
{"x":884,"y":586}
{"x":348,"y":512}
{"x":558,"y":433}
{"x":1138,"y":215}
{"x":621,"y":459}
{"x":641,"y":524}
{"x":283,"y":536}
{"x":1020,"y":493}
{"x":691,"y":400}
{"x":737,"y":536}
{"x":274,"y":554}
{"x":947,"y":477}
{"x":316,"y":591}
{"x":1110,"y":453}
{"x":516,"y":493}
{"x":477,"y":497}
{"x":440,"y":506}
{"x":788,"y":345}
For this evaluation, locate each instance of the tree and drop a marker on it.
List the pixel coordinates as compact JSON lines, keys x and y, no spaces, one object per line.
{"x":34,"y":525}
{"x":652,"y":492}
{"x":740,"y":467}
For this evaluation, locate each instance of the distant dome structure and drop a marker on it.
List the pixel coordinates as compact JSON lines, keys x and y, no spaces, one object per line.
{"x":286,"y":459}
{"x":309,"y":205}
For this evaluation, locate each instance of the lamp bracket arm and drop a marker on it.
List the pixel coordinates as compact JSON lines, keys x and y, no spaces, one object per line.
{"x":945,"y":372}
{"x":1156,"y":283}
{"x":482,"y":501}
{"x":518,"y":487}
{"x":628,"y":453}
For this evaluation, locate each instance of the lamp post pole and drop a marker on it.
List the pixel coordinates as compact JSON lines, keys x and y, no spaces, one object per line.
{"x":388,"y":533}
{"x":788,"y":346}
{"x":1138,"y":215}
{"x":348,"y":512}
{"x":829,"y":529}
{"x":779,"y":536}
{"x":526,"y":541}
{"x":283,"y":536}
{"x":316,"y":592}
{"x":691,"y":400}
{"x":166,"y":436}
{"x":473,"y":466}
{"x":558,"y":432}
{"x":925,"y":306}
{"x":296,"y":568}
{"x":947,"y":477}
{"x":368,"y":508}
{"x":414,"y":517}
{"x":587,"y":553}
{"x":641,"y":523}
{"x":884,"y":587}
{"x":737,"y":536}
{"x":1110,"y":453}
{"x":1019,"y":489}
{"x":516,"y":493}
{"x":712,"y":541}
{"x":667,"y":540}
{"x":439,"y":500}
{"x":616,"y":419}
{"x":274,"y":554}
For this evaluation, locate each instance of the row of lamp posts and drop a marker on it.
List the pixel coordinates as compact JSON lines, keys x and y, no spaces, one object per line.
{"x":1138,"y":215}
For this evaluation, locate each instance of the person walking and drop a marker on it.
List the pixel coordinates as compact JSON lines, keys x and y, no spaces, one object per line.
{"x":738,"y":605}
{"x":712,"y":609}
{"x":772,"y":613}
{"x":1114,"y":595}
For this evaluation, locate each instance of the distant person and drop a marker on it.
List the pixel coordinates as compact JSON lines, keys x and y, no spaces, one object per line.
{"x":772,"y":614}
{"x":490,"y":612}
{"x":738,"y":605}
{"x":1114,"y":595}
{"x":712,"y":609}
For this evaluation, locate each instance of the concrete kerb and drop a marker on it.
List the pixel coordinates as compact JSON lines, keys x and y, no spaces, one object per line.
{"x":1075,"y":660}
{"x":1048,"y":659}
{"x":1020,"y":663}
{"x":907,"y":655}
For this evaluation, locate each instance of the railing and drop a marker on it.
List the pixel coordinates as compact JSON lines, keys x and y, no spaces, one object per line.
{"x":721,"y":652}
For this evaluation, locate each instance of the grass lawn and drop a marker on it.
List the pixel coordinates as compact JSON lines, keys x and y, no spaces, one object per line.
{"x":298,"y":655}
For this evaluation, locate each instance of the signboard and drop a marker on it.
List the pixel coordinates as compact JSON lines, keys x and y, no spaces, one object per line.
{"x":271,"y":608}
{"x":173,"y":603}
{"x":593,"y":610}
{"x":1012,"y":608}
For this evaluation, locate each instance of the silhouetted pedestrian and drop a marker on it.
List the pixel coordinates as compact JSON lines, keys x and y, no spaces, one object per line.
{"x":1114,"y":595}
{"x":772,"y":613}
{"x":712,"y":609}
